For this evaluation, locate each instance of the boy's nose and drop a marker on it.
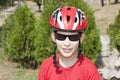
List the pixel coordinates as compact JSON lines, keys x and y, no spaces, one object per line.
{"x":67,"y":42}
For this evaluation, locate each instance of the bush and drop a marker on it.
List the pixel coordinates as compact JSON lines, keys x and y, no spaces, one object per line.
{"x":18,"y":36}
{"x":114,"y":33}
{"x":0,"y":37}
{"x":43,"y":43}
{"x":6,"y":31}
{"x":4,"y":3}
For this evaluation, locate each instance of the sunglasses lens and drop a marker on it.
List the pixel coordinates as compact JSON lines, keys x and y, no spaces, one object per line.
{"x":74,"y":37}
{"x":60,"y":36}
{"x":63,"y":37}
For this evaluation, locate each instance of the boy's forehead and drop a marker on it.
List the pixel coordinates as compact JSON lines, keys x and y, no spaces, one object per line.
{"x":67,"y":32}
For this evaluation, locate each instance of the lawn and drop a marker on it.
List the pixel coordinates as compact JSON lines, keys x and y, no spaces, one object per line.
{"x":13,"y":71}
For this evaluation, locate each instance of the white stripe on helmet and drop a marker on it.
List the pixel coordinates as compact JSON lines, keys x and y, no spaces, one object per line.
{"x":59,"y":21}
{"x":76,"y":23}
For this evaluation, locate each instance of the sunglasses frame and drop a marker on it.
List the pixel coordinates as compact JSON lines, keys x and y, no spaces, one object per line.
{"x":62,"y":37}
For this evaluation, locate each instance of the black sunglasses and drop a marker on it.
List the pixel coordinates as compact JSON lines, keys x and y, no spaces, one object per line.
{"x":62,"y":37}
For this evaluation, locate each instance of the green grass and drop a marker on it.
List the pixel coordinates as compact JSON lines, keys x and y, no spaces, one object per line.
{"x":30,"y":77}
{"x":1,"y":16}
{"x":25,"y":74}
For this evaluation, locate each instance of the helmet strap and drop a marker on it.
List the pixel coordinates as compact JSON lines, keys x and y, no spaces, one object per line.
{"x":80,"y":50}
{"x":54,"y":57}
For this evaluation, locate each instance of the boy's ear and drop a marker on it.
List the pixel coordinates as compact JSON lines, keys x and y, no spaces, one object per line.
{"x":53,"y":36}
{"x":82,"y":37}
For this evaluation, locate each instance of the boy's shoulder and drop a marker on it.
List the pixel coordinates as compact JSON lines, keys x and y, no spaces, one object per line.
{"x":47,"y":62}
{"x":85,"y":60}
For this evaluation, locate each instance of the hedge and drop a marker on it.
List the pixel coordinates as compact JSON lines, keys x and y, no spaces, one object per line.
{"x":114,"y":33}
{"x":18,"y":38}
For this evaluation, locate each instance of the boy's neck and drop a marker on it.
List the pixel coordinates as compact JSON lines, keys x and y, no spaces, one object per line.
{"x":69,"y":61}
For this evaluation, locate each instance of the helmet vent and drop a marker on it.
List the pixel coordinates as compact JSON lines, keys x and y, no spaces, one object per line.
{"x":60,"y":18}
{"x":75,"y":19}
{"x":68,"y":8}
{"x":68,"y":18}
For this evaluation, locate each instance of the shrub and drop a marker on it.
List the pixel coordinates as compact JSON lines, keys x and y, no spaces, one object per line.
{"x":19,"y":39}
{"x":4,"y":3}
{"x":114,"y":33}
{"x":43,"y":43}
{"x":0,"y":37}
{"x":6,"y":31}
{"x":91,"y":45}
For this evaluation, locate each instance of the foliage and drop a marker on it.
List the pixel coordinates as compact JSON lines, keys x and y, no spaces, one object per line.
{"x":43,"y":43}
{"x":40,"y":3}
{"x":18,"y":36}
{"x":37,"y":1}
{"x":4,"y":3}
{"x":0,"y":37}
{"x":114,"y":33}
{"x":6,"y":31}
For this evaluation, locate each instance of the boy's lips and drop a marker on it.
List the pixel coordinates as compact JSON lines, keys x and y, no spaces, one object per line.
{"x":67,"y":50}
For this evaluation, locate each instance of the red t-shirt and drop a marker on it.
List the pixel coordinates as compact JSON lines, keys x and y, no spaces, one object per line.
{"x":83,"y":69}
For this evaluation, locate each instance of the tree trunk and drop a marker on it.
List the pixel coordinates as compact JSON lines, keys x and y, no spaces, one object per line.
{"x":19,"y":3}
{"x":116,"y":1}
{"x":39,"y":5}
{"x":102,"y":3}
{"x":11,"y":3}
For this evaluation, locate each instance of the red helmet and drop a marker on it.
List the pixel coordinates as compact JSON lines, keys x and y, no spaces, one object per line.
{"x":68,"y":19}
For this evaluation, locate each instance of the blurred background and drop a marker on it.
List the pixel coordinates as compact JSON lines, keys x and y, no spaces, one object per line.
{"x":23,"y":40}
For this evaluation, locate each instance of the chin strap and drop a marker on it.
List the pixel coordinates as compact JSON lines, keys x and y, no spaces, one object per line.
{"x":54,"y":57}
{"x":80,"y":50}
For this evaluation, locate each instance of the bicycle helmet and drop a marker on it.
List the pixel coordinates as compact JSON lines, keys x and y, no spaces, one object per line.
{"x":68,"y":19}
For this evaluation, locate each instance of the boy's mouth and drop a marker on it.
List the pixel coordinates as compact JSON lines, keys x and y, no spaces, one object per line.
{"x":67,"y":50}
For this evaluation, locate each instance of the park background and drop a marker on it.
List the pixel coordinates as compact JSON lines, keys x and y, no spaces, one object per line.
{"x":104,"y":16}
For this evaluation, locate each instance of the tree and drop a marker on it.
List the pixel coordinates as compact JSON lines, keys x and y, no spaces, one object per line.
{"x":116,"y":1}
{"x":19,"y":3}
{"x":19,"y":40}
{"x":102,"y":2}
{"x":0,"y":37}
{"x":4,"y":3}
{"x":6,"y":31}
{"x":114,"y":33}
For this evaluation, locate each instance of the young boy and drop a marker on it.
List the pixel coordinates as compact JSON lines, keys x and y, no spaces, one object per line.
{"x":68,"y":24}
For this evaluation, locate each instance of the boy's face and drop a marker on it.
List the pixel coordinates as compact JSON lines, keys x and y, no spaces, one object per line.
{"x":67,"y":43}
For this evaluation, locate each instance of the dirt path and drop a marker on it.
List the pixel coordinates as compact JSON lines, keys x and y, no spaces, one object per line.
{"x":7,"y":70}
{"x":104,"y":15}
